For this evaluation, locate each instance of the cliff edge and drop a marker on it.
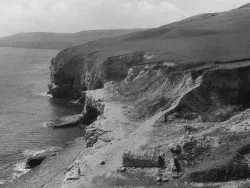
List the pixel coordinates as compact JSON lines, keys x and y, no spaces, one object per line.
{"x":201,"y":39}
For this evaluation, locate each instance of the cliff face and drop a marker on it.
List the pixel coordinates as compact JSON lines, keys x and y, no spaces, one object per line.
{"x":151,"y":88}
{"x":65,"y":78}
{"x":216,"y":99}
{"x":116,"y":68}
{"x":210,"y":96}
{"x":88,"y":72}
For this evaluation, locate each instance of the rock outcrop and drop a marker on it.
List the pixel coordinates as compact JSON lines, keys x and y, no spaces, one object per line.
{"x":221,"y":95}
{"x":65,"y":78}
{"x":85,"y":72}
{"x":92,"y":109}
{"x":37,"y":159}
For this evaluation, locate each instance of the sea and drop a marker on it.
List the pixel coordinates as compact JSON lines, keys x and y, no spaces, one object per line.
{"x":26,"y":111}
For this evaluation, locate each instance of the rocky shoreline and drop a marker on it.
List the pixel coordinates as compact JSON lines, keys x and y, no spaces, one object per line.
{"x":51,"y":171}
{"x":118,"y":150}
{"x":169,"y":147}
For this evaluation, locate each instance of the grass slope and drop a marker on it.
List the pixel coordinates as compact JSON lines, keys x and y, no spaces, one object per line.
{"x":206,"y":37}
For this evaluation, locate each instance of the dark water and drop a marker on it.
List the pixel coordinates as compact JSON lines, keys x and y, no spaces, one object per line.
{"x":25,"y":109}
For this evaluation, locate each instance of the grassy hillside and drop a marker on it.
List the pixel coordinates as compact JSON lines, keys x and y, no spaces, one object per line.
{"x":59,"y":40}
{"x":206,"y":37}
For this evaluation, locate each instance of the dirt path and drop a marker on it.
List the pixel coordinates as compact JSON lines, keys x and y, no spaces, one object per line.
{"x":125,"y":136}
{"x":122,"y":135}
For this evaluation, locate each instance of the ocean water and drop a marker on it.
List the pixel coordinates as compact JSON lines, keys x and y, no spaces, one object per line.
{"x":26,"y":110}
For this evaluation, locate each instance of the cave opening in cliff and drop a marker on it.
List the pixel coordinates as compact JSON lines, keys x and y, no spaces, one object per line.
{"x":244,"y":99}
{"x":91,"y":115}
{"x":98,"y":84}
{"x":244,"y":87}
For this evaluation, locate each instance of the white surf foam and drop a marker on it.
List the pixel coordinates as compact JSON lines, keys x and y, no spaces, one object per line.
{"x":74,"y":102}
{"x":47,"y":124}
{"x":19,"y":169}
{"x":43,"y":94}
{"x":29,"y":152}
{"x":55,"y":148}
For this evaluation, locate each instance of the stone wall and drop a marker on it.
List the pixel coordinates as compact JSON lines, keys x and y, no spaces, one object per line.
{"x":142,"y":160}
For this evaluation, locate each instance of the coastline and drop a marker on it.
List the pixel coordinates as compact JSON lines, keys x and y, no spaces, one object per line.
{"x":50,"y":172}
{"x":97,"y":159}
{"x":113,"y":131}
{"x":26,"y":176}
{"x":112,"y":134}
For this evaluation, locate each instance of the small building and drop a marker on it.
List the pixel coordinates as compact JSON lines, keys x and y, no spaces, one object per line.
{"x":140,"y":160}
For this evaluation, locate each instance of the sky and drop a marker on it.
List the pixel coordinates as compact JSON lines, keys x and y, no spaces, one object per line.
{"x":69,"y":16}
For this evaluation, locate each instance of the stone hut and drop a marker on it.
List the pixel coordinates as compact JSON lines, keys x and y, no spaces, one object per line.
{"x":150,"y":159}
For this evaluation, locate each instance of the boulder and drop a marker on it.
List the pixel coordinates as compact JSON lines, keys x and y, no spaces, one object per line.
{"x":102,"y":162}
{"x":91,"y":141}
{"x":36,"y":160}
{"x":122,"y":169}
{"x":66,"y":122}
{"x":158,"y":179}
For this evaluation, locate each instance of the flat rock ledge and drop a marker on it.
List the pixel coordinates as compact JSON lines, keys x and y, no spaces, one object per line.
{"x":66,"y":125}
{"x":67,"y":122}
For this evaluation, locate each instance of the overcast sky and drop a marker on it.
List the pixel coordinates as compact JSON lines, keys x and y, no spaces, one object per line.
{"x":77,"y":15}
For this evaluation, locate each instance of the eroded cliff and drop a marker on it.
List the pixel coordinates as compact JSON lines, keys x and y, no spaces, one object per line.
{"x":87,"y":72}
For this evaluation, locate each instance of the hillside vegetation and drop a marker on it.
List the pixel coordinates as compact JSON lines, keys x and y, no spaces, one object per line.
{"x":44,"y":40}
{"x":216,"y":36}
{"x":201,"y":39}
